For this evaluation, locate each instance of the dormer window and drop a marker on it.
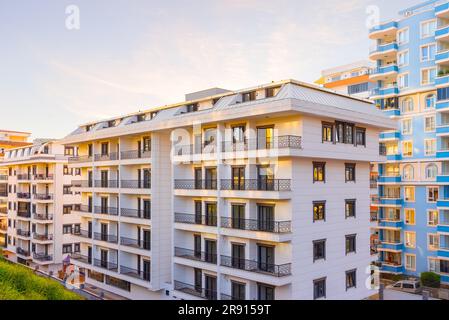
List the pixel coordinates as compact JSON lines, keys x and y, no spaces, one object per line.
{"x":141,"y":117}
{"x":111,"y":124}
{"x":153,"y":114}
{"x":88,"y":128}
{"x":272,"y":92}
{"x":249,"y":96}
{"x":192,"y":108}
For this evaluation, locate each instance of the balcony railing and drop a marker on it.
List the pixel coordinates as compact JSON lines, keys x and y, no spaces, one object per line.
{"x":23,"y":214}
{"x":257,"y":225}
{"x":24,"y":195}
{"x":281,"y":142}
{"x":23,"y":176}
{"x":135,"y":213}
{"x":205,"y":220}
{"x":45,"y":177}
{"x":135,"y":184}
{"x":106,"y":157}
{"x":3,"y":210}
{"x":383,"y":150}
{"x":105,"y":237}
{"x":3,"y":227}
{"x":42,"y":216}
{"x":129,"y":242}
{"x":81,"y":258}
{"x":135,"y":154}
{"x":42,"y":237}
{"x":80,"y":159}
{"x":106,"y":184}
{"x":43,"y":196}
{"x":83,"y":208}
{"x":106,"y":264}
{"x":256,"y":266}
{"x":196,"y":291}
{"x":42,"y":257}
{"x":83,"y":233}
{"x":192,"y":184}
{"x":82,"y":184}
{"x":229,"y":297}
{"x":139,"y":274}
{"x":4,"y":194}
{"x":256,"y":184}
{"x":23,"y":233}
{"x":196,"y":255}
{"x":23,"y":252}
{"x":373,"y":183}
{"x":106,"y":210}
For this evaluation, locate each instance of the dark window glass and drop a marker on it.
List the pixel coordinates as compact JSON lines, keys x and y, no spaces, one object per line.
{"x":350,"y":243}
{"x":350,"y":172}
{"x":319,"y":289}
{"x":351,"y":279}
{"x":319,"y":250}
{"x":350,"y":208}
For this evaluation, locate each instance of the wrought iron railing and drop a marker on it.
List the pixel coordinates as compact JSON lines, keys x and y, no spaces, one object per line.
{"x":139,"y":274}
{"x":106,"y":183}
{"x":135,"y":243}
{"x":80,"y":159}
{"x":256,"y":184}
{"x":42,"y":257}
{"x":42,"y":216}
{"x":257,"y":225}
{"x":106,"y":264}
{"x":42,"y":237}
{"x":256,"y":266}
{"x":205,"y":220}
{"x":196,"y":291}
{"x":23,"y":233}
{"x":192,"y":184}
{"x":105,"y":237}
{"x":135,"y":184}
{"x":106,"y":157}
{"x":82,"y":258}
{"x":135,"y":213}
{"x":106,"y":210}
{"x":135,"y":154}
{"x":43,"y":196}
{"x":196,"y":255}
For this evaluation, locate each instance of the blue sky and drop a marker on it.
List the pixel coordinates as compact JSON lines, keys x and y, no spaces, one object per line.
{"x":131,"y":55}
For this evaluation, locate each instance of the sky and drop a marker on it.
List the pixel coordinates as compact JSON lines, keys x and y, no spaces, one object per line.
{"x":131,"y":55}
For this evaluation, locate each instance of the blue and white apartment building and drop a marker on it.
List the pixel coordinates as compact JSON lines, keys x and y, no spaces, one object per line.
{"x":412,"y":77}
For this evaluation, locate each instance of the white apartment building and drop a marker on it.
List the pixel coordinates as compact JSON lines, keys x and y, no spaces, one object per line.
{"x":37,"y":221}
{"x":255,"y":194}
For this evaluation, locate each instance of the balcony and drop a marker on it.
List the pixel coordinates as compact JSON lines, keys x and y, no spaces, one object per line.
{"x":23,"y":233}
{"x":105,"y":237}
{"x":390,"y":136}
{"x":384,"y":51}
{"x":24,"y":195}
{"x":390,"y":179}
{"x":135,"y":213}
{"x":135,"y":154}
{"x":3,"y":227}
{"x":442,"y":130}
{"x":257,"y":225}
{"x":43,"y":217}
{"x":42,"y":237}
{"x":134,"y":243}
{"x":382,"y":149}
{"x":381,"y":31}
{"x":42,"y":257}
{"x":24,"y":214}
{"x":443,"y":203}
{"x":43,"y":196}
{"x":391,"y":244}
{"x":83,"y":233}
{"x":391,"y":201}
{"x":23,"y":252}
{"x":196,"y":255}
{"x":256,"y":184}
{"x":442,"y":80}
{"x":192,"y":184}
{"x":112,"y":266}
{"x":384,"y":92}
{"x":3,"y":194}
{"x":442,"y":10}
{"x":443,"y":153}
{"x":80,"y":159}
{"x":256,"y":266}
{"x":373,"y":182}
{"x":106,"y":210}
{"x":442,"y":33}
{"x":442,"y":57}
{"x":106,"y":157}
{"x":391,"y":223}
{"x":138,"y":274}
{"x":196,"y":291}
{"x":3,"y":210}
{"x":384,"y":73}
{"x":105,"y":184}
{"x":205,"y":220}
{"x":135,"y":184}
{"x":81,"y":258}
{"x":394,"y":157}
{"x":24,"y":177}
{"x":43,"y":177}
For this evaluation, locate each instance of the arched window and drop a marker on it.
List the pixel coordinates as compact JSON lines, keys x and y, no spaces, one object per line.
{"x":408,"y":173}
{"x":431,"y":171}
{"x":407,"y":105}
{"x":430,"y":101}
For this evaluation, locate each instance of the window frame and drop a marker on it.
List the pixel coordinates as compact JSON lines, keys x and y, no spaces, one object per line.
{"x":319,"y":242}
{"x":317,"y":165}
{"x":319,"y":203}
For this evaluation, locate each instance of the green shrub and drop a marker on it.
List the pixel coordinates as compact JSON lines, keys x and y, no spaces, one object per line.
{"x":397,"y":277}
{"x":430,"y":279}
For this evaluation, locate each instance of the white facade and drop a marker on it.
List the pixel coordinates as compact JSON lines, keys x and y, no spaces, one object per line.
{"x":232,"y":202}
{"x":38,"y":206}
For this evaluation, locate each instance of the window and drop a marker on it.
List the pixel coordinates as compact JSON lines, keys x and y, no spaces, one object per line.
{"x":407,"y":126}
{"x":76,"y":247}
{"x":431,"y":171}
{"x":351,"y":279}
{"x":410,"y":239}
{"x":67,"y":229}
{"x":407,"y":105}
{"x":409,"y":194}
{"x":407,"y":148}
{"x":319,"y":250}
{"x":67,"y":209}
{"x":432,"y":218}
{"x":351,"y":243}
{"x":66,"y":171}
{"x":328,"y":132}
{"x":265,"y":292}
{"x":77,"y":171}
{"x":430,"y":146}
{"x":443,"y":94}
{"x":408,"y":173}
{"x":344,"y":133}
{"x":249,"y":96}
{"x":403,"y":36}
{"x":350,"y":208}
{"x":403,"y":58}
{"x":67,"y":248}
{"x":146,"y":144}
{"x":403,"y":81}
{"x":272,"y":92}
{"x":428,"y":28}
{"x":360,"y":136}
{"x":410,"y":262}
{"x":319,"y":289}
{"x":428,"y":52}
{"x":358,"y":88}
{"x":319,"y":172}
{"x":410,"y":216}
{"x":428,"y":76}
{"x":429,"y":124}
{"x":67,"y":189}
{"x":430,"y":102}
{"x":432,"y":194}
{"x":319,"y":211}
{"x":350,"y":172}
{"x":433,"y":242}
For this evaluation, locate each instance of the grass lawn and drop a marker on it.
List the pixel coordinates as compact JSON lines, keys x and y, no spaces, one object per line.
{"x":20,"y":283}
